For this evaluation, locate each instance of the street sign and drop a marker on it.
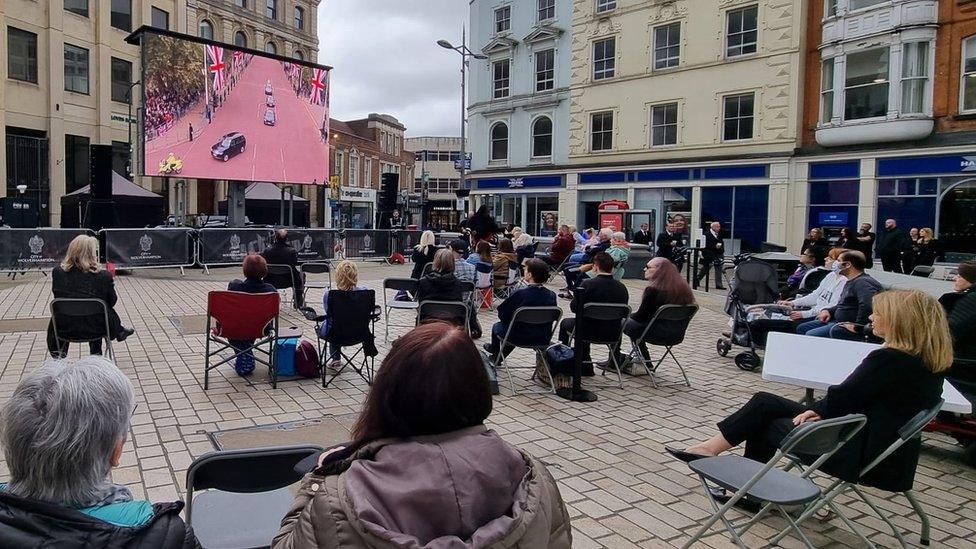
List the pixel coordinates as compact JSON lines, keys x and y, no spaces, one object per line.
{"x":467,"y":162}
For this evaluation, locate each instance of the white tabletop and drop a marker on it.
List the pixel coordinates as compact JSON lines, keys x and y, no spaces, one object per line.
{"x":819,"y":362}
{"x":898,"y":281}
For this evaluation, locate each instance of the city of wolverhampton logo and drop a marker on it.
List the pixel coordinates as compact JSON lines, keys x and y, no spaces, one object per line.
{"x":36,"y":244}
{"x":307,"y":243}
{"x":145,"y":243}
{"x":235,"y":242}
{"x":968,"y":164}
{"x":516,"y":183}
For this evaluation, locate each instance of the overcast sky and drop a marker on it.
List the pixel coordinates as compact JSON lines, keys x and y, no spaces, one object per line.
{"x":386,"y":60}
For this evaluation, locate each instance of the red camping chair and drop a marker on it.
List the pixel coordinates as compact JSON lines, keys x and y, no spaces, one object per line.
{"x":241,"y":316}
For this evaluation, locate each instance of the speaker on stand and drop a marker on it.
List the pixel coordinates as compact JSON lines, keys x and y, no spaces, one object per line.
{"x":100,"y":212}
{"x":389,"y":188}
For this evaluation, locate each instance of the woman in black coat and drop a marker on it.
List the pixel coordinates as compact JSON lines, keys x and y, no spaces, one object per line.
{"x":80,"y":276}
{"x":928,"y":248}
{"x":846,"y":240}
{"x":890,"y":386}
{"x":423,"y":253}
{"x":816,"y":243}
{"x":440,"y":284}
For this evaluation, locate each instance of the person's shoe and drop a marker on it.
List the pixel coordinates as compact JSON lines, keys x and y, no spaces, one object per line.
{"x":720,"y":288}
{"x":684,"y":456}
{"x":124,"y":333}
{"x":721,"y":496}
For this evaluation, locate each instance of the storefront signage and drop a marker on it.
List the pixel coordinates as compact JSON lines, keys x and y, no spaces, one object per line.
{"x":356,"y":194}
{"x":926,"y":165}
{"x":516,"y":183}
{"x":535,"y":182}
{"x":968,"y":164}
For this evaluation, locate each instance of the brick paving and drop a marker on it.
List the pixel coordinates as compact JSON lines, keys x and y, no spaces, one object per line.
{"x":621,"y":489}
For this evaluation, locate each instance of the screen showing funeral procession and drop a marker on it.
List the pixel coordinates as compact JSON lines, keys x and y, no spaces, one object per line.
{"x":212,"y":111}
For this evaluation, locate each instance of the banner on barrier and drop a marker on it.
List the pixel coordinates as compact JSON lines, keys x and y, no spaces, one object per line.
{"x":367,"y":244}
{"x":135,"y":248}
{"x":313,"y":244}
{"x":34,"y":249}
{"x":229,"y":246}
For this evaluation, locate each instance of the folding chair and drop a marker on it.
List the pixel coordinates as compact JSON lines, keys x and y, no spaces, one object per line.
{"x":352,"y":318}
{"x":532,"y":316}
{"x":812,"y":280}
{"x":427,"y":269}
{"x":316,"y":268}
{"x":409,"y":285}
{"x":909,"y":431}
{"x":279,"y":274}
{"x":484,"y":284}
{"x":923,"y":271}
{"x":241,"y":316}
{"x":450,"y":311}
{"x":601,"y":313}
{"x":246,"y":494}
{"x":72,"y":310}
{"x":676,"y":319}
{"x":769,"y":485}
{"x":557,"y":269}
{"x":512,"y":283}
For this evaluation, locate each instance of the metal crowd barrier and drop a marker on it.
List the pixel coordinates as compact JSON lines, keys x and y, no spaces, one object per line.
{"x":23,"y":250}
{"x":149,"y":248}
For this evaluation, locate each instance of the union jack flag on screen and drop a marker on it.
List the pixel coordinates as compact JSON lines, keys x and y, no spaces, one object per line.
{"x":318,"y":96}
{"x":217,"y":66}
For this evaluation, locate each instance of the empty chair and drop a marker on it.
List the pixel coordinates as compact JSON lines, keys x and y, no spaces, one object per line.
{"x":282,"y":277}
{"x":70,"y":311}
{"x":667,"y":328}
{"x":409,"y":287}
{"x":240,"y":316}
{"x":923,"y":271}
{"x":316,"y":268}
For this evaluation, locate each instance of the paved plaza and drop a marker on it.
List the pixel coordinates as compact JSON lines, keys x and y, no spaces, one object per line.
{"x":608,"y":457}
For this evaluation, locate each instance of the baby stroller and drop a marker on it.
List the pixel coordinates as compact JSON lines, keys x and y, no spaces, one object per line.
{"x":750,"y":304}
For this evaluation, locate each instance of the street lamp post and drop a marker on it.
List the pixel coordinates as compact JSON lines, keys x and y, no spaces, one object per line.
{"x":465,"y":54}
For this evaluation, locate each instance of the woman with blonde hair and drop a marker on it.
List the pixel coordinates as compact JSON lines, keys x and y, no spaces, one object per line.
{"x":347,"y":280}
{"x":80,"y":276}
{"x":928,"y":249}
{"x":423,"y":253}
{"x":890,"y":386}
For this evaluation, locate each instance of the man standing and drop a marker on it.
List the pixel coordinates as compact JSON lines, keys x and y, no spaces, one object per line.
{"x":191,"y":131}
{"x":713,"y":254}
{"x":892,"y":244}
{"x":865,"y":243}
{"x":642,"y":236}
{"x":847,"y":319}
{"x":667,"y":242}
{"x":282,"y":253}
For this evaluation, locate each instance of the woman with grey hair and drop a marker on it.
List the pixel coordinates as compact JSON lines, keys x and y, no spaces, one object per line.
{"x":62,"y":432}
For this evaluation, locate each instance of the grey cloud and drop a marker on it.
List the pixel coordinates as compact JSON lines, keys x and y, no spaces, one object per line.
{"x":386,"y":60}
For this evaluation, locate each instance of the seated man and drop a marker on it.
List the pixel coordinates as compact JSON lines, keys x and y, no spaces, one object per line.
{"x":847,"y":319}
{"x":533,"y":295}
{"x":463,"y":270}
{"x":572,"y":271}
{"x":63,"y":431}
{"x":282,"y":253}
{"x":602,"y":288}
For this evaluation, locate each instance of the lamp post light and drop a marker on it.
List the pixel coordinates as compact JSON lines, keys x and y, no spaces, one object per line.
{"x":465,"y":54}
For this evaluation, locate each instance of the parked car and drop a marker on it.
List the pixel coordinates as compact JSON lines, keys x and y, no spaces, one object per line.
{"x":269,"y":117}
{"x":268,"y":90}
{"x":270,"y":101}
{"x":229,"y":146}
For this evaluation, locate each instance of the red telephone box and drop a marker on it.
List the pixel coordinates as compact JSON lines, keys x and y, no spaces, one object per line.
{"x":612,"y":214}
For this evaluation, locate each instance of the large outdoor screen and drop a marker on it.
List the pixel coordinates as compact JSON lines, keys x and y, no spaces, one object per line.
{"x":212,"y":111}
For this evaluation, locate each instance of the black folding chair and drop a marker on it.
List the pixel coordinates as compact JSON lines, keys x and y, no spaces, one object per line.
{"x":908,"y":432}
{"x":408,"y":285}
{"x":280,"y":275}
{"x":768,"y":485}
{"x":352,"y":316}
{"x":315,"y":268}
{"x":246,"y":494}
{"x":811,"y":281}
{"x":455,"y":312}
{"x":666,"y":329}
{"x":428,"y":268}
{"x":602,"y":314}
{"x":71,"y":310}
{"x":923,"y":271}
{"x":535,"y":316}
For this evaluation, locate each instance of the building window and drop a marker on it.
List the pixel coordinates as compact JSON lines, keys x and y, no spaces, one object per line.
{"x":866,"y":84}
{"x":545,"y":70}
{"x":830,"y":8}
{"x":368,"y":172}
{"x":605,"y":5}
{"x":664,"y":125}
{"x":499,"y":141}
{"x":833,"y":203}
{"x":914,"y":77}
{"x":122,"y":14}
{"x":299,"y":18}
{"x":21,"y":55}
{"x":206,"y":30}
{"x":270,"y":47}
{"x":500,"y":80}
{"x":547,"y":10}
{"x":353,"y":170}
{"x":240,"y":39}
{"x":604,"y":58}
{"x":968,"y":84}
{"x":121,"y":80}
{"x":503,"y":19}
{"x":738,"y":113}
{"x":861,"y":4}
{"x":542,"y":137}
{"x":241,"y":3}
{"x":76,"y":162}
{"x":667,"y":46}
{"x":160,"y":18}
{"x":75,"y":69}
{"x":601,"y":131}
{"x":338,"y":167}
{"x":742,"y":31}
{"x":79,"y":7}
{"x":271,"y":9}
{"x":827,"y":91}
{"x":299,"y":55}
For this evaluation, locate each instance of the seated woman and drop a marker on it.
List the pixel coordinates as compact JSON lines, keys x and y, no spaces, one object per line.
{"x":255,"y":269}
{"x":423,"y":469}
{"x":63,"y":431}
{"x":890,"y":386}
{"x":522,"y":242}
{"x":795,"y":280}
{"x":80,"y":275}
{"x":347,"y":280}
{"x":482,"y":253}
{"x":960,"y":308}
{"x":500,"y":260}
{"x":665,"y":286}
{"x":441,"y":284}
{"x":826,"y":295}
{"x":423,"y":254}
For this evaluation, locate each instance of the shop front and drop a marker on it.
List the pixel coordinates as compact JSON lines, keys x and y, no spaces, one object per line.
{"x":355,"y":208}
{"x":530,"y":202}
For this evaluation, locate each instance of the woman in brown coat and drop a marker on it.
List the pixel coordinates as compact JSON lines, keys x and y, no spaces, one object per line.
{"x":423,"y":470}
{"x":501,"y":259}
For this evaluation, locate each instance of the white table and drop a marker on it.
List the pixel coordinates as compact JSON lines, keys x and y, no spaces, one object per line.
{"x":897,"y":281}
{"x":819,"y":362}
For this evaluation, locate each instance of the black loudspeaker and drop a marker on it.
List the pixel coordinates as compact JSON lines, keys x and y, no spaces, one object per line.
{"x":101,"y":172}
{"x":388,"y":191}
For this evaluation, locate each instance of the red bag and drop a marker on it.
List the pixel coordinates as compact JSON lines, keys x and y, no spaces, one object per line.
{"x":307,"y":360}
{"x":397,"y":258}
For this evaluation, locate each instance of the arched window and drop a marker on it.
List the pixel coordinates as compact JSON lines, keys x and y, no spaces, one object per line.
{"x":270,"y":47}
{"x":299,"y":55}
{"x":206,"y":29}
{"x":499,"y":141}
{"x":240,"y":39}
{"x":542,"y":137}
{"x":299,"y":18}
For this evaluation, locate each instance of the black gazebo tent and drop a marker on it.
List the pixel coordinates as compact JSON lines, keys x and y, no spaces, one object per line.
{"x":135,"y":206}
{"x":262,"y":205}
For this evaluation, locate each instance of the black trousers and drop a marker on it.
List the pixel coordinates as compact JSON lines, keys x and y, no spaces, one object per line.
{"x":891,"y":262}
{"x":714,"y":260}
{"x":566,"y":327}
{"x":762,"y":423}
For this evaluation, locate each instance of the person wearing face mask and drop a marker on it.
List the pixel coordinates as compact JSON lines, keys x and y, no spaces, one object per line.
{"x":864,"y":243}
{"x":960,"y":307}
{"x":825,"y":296}
{"x":847,"y":319}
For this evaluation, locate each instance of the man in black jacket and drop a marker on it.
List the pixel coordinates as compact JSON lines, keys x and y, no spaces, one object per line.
{"x":713,"y":254}
{"x":535,"y":294}
{"x":602,"y":288}
{"x":643,"y":236}
{"x":666,"y":243}
{"x":283,"y":253}
{"x":864,"y":243}
{"x":893,"y":243}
